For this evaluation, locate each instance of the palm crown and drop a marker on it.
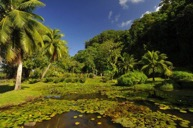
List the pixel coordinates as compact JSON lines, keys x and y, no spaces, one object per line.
{"x":19,"y":31}
{"x":155,"y":62}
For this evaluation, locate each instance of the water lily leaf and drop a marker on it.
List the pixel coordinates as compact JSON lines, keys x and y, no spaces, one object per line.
{"x":99,"y":123}
{"x":77,"y":123}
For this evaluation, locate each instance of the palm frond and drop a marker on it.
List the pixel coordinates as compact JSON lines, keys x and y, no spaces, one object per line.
{"x":5,"y":30}
{"x":37,"y":17}
{"x":30,"y":4}
{"x":19,"y":18}
{"x":11,"y":54}
{"x":27,"y":43}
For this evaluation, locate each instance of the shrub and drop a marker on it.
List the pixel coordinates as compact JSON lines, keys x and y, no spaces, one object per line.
{"x":132,"y":78}
{"x":48,"y":79}
{"x":36,"y":73}
{"x":91,"y":75}
{"x":182,"y":75}
{"x":167,"y":87}
{"x":2,"y":75}
{"x":32,"y":81}
{"x":68,"y":80}
{"x":72,"y":80}
{"x":105,"y":79}
{"x":82,"y":80}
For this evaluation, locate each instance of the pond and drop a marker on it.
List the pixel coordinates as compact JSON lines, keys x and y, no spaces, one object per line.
{"x":75,"y":119}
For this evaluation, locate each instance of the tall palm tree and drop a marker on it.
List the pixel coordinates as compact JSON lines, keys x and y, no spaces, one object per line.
{"x":55,"y":47}
{"x":155,"y":62}
{"x":19,"y":31}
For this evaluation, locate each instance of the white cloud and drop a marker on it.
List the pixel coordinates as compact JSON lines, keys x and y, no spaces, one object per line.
{"x":136,"y":1}
{"x":124,"y":3}
{"x":126,"y":23}
{"x":147,"y":12}
{"x":117,"y":18}
{"x":112,"y":18}
{"x":110,"y":15}
{"x":157,"y":8}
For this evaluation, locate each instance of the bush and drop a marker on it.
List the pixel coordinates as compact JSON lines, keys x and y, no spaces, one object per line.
{"x":91,"y":75}
{"x":105,"y":79}
{"x":36,"y":73}
{"x":2,"y":75}
{"x":48,"y":79}
{"x":132,"y":78}
{"x":182,"y":75}
{"x":167,"y":87}
{"x":32,"y":81}
{"x":82,"y":80}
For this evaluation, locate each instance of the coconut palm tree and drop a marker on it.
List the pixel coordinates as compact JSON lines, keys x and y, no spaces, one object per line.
{"x":155,"y":62}
{"x":128,"y":62}
{"x":55,"y":47}
{"x":20,"y":31}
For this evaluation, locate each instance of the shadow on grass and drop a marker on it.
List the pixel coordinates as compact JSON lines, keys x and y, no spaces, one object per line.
{"x":6,"y":88}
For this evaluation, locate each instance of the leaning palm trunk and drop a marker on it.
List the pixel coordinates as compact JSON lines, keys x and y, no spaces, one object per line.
{"x":18,"y":77}
{"x":44,"y":73}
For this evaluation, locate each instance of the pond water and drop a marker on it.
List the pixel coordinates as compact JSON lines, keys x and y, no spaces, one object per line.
{"x":75,"y":119}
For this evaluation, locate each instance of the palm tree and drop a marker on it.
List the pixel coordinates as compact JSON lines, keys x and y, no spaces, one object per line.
{"x":127,"y":62}
{"x":19,"y":31}
{"x":55,"y":48}
{"x":155,"y":62}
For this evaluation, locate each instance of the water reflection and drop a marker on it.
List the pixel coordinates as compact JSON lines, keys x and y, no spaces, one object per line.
{"x":74,"y":119}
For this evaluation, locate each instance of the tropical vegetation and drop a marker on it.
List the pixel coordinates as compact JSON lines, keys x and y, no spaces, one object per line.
{"x":144,"y":72}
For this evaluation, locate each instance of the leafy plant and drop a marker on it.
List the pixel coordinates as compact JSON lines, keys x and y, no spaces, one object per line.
{"x":132,"y":78}
{"x":182,"y":75}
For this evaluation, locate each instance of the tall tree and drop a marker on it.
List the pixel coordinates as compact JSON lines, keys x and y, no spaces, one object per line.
{"x":19,"y":31}
{"x":55,"y":47}
{"x":155,"y":62}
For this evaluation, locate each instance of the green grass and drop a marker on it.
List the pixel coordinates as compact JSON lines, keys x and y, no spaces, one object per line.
{"x":144,"y":87}
{"x":27,"y":93}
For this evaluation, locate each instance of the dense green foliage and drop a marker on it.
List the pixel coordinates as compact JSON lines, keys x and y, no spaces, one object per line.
{"x":132,"y":78}
{"x":167,"y":30}
{"x":182,"y":75}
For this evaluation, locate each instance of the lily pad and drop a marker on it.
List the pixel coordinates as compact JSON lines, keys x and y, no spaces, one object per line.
{"x":77,"y":123}
{"x":92,"y":119}
{"x":98,"y":117}
{"x":75,"y":117}
{"x":80,"y":115}
{"x":99,"y":123}
{"x":183,"y":111}
{"x":190,"y":110}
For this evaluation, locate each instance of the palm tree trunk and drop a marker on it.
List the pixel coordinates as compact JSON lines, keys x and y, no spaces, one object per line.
{"x":153,"y":73}
{"x":19,"y":75}
{"x":44,"y":73}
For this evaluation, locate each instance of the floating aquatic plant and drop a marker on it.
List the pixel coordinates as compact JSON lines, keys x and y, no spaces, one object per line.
{"x":183,"y":111}
{"x":92,"y":119}
{"x":99,"y":123}
{"x":75,"y":117}
{"x":98,"y":117}
{"x":77,"y":123}
{"x":80,"y":115}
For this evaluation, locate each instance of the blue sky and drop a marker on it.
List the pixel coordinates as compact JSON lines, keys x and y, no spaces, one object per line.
{"x":81,"y":20}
